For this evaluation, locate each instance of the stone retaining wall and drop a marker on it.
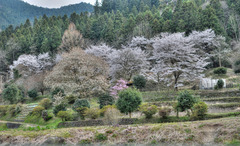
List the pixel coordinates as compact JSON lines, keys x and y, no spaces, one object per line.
{"x":87,"y":123}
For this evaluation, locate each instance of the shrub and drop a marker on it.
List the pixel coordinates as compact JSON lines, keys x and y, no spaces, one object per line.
{"x":82,"y":112}
{"x":220,"y":71}
{"x":60,"y":107}
{"x":18,"y":108}
{"x":105,"y":99}
{"x":100,"y":137}
{"x":139,"y":81}
{"x":129,"y":100}
{"x":104,"y":109}
{"x":46,"y":116}
{"x":79,"y":103}
{"x":57,"y":91}
{"x":33,"y":94}
{"x":164,"y":112}
{"x":185,"y":101}
{"x":93,"y":113}
{"x":12,"y":94}
{"x":71,"y":99}
{"x":46,"y":103}
{"x":3,"y":110}
{"x":200,"y":110}
{"x":12,"y":110}
{"x":148,"y":110}
{"x":219,"y":85}
{"x":85,"y":142}
{"x":65,"y":115}
{"x":111,"y":116}
{"x":38,"y":110}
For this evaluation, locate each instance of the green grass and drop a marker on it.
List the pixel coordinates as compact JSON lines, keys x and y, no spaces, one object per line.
{"x":52,"y":123}
{"x":233,"y":143}
{"x":224,"y":99}
{"x":222,"y":115}
{"x":225,"y":105}
{"x":3,"y":127}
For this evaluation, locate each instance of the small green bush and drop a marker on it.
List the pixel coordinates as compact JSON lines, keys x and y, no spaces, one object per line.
{"x":100,"y":137}
{"x":105,"y":108}
{"x":164,"y":112}
{"x":38,"y":110}
{"x":12,"y":94}
{"x":220,"y":71}
{"x":129,"y":100}
{"x":148,"y":110}
{"x":71,"y":99}
{"x":200,"y":110}
{"x":105,"y":99}
{"x":58,"y":90}
{"x":58,"y":108}
{"x":46,"y":103}
{"x":82,"y":112}
{"x":3,"y":110}
{"x":85,"y":142}
{"x":65,"y":115}
{"x":219,"y":85}
{"x":33,"y":94}
{"x":79,"y":103}
{"x":12,"y":110}
{"x":139,"y":81}
{"x":93,"y":113}
{"x":185,"y":101}
{"x":46,"y":116}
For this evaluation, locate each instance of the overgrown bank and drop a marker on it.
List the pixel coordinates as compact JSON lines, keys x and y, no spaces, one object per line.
{"x":220,"y":131}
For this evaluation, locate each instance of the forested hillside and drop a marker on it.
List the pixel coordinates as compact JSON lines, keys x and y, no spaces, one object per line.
{"x":15,"y":12}
{"x":116,"y":22}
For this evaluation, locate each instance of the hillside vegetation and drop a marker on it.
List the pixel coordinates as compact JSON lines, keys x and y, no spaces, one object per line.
{"x":15,"y":12}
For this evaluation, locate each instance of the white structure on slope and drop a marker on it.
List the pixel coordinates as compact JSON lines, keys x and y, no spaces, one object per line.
{"x":208,"y":83}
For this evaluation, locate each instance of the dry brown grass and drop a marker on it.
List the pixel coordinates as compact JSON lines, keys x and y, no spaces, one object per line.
{"x":211,"y":132}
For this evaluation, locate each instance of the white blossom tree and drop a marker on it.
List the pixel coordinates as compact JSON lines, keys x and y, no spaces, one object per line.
{"x":128,"y":62}
{"x":177,"y":59}
{"x":101,"y":50}
{"x":34,"y":64}
{"x":124,"y":63}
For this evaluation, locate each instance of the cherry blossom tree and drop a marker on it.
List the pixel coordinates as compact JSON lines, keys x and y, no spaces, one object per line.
{"x":34,"y":64}
{"x":177,"y":59}
{"x":127,"y":62}
{"x":124,"y":63}
{"x":102,"y":51}
{"x":120,"y":85}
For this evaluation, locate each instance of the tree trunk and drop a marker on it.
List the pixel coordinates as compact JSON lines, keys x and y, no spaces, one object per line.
{"x":176,"y":75}
{"x":130,"y":115}
{"x":219,"y":60}
{"x":177,"y":113}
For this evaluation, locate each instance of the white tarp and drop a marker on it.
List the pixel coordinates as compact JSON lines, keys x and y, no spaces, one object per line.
{"x":208,"y":83}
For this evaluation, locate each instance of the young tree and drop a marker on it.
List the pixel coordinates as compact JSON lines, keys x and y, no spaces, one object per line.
{"x":12,"y":94}
{"x":177,"y":58}
{"x":129,"y":100}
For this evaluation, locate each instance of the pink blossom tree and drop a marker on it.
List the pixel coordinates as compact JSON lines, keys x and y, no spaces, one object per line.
{"x":120,"y":85}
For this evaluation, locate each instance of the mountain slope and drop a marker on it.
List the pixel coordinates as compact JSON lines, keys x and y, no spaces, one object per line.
{"x":16,"y":11}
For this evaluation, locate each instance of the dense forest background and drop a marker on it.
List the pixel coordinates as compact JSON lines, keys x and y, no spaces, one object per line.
{"x":115,"y":22}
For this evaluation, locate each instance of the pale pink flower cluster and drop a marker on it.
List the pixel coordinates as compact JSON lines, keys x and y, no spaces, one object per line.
{"x":120,"y":85}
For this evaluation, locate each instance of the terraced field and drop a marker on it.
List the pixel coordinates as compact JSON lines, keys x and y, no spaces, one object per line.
{"x":224,"y":104}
